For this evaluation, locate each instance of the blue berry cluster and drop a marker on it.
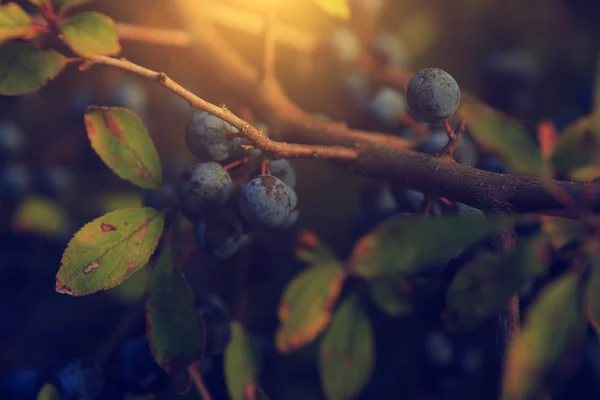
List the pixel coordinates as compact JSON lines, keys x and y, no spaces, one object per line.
{"x":223,"y":208}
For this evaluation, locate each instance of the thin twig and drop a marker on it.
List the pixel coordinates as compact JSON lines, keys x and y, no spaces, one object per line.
{"x":453,"y":138}
{"x":269,"y":37}
{"x":247,"y":131}
{"x":194,"y":371}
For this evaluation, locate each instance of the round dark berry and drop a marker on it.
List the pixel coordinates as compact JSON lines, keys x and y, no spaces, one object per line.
{"x":284,"y":170}
{"x":433,"y":95}
{"x":210,"y":138}
{"x":265,"y":202}
{"x":219,"y":233}
{"x":81,"y":380}
{"x":203,"y":186}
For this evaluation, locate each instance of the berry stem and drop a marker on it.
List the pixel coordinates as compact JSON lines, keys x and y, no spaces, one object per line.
{"x":236,"y":163}
{"x":453,"y":138}
{"x":265,"y":167}
{"x":194,"y":371}
{"x":427,"y":205}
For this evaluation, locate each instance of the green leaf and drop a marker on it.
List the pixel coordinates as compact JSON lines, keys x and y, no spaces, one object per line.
{"x":505,"y":138}
{"x":484,"y":287}
{"x":174,"y":329}
{"x":392,"y":295}
{"x":14,"y":22}
{"x":24,"y":68}
{"x":90,"y":34}
{"x":48,"y":392}
{"x":312,"y":251}
{"x":578,"y":147}
{"x":405,"y":244}
{"x":40,"y":215}
{"x":116,"y":200}
{"x":109,"y":250}
{"x":122,"y":142}
{"x":548,"y":349}
{"x":134,"y":288}
{"x":306,"y":306}
{"x":347,"y":352}
{"x":335,"y":8}
{"x":243,"y":364}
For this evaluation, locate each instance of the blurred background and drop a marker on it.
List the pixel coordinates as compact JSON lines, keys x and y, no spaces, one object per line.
{"x":534,"y":60}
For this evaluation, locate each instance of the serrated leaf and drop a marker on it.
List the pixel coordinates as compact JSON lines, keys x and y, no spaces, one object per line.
{"x":347,"y":355}
{"x":548,"y":348}
{"x":484,"y":287}
{"x":48,"y":392}
{"x":40,"y":215}
{"x":108,"y":250}
{"x":90,"y":34}
{"x":392,"y":295}
{"x":175,"y":331}
{"x":406,"y":244}
{"x":335,"y":8}
{"x":24,"y":68}
{"x":243,"y":364}
{"x":562,"y":231}
{"x":122,"y":142}
{"x":14,"y":22}
{"x":306,"y":306}
{"x":578,"y":147}
{"x":505,"y":138}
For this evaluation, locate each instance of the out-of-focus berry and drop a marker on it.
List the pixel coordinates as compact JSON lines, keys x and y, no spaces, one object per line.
{"x":210,"y":138}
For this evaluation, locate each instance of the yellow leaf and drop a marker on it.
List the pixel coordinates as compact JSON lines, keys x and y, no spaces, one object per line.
{"x":335,"y":8}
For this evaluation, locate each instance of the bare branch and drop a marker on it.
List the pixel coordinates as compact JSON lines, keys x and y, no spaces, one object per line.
{"x":247,"y":131}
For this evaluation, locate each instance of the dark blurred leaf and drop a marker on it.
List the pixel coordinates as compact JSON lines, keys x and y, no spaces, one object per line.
{"x":114,"y":201}
{"x":592,"y":297}
{"x":122,"y":142}
{"x":484,"y":287}
{"x":335,"y":8}
{"x":61,"y":5}
{"x":505,"y":138}
{"x":578,"y":151}
{"x":306,"y":306}
{"x":243,"y":365}
{"x":562,"y":231}
{"x":312,"y":251}
{"x":14,"y":22}
{"x":48,"y":392}
{"x":405,"y":244}
{"x":347,"y":351}
{"x":40,"y":215}
{"x":548,"y":349}
{"x":90,"y":34}
{"x":24,"y":68}
{"x":108,"y":250}
{"x":174,"y":330}
{"x":392,"y":295}
{"x":65,"y":5}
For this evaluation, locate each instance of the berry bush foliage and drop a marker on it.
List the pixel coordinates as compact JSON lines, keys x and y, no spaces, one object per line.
{"x":463,"y":215}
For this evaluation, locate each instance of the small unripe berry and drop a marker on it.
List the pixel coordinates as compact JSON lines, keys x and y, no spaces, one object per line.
{"x":284,"y":170}
{"x":203,"y":186}
{"x":433,"y":95}
{"x":265,"y":202}
{"x":210,"y":138}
